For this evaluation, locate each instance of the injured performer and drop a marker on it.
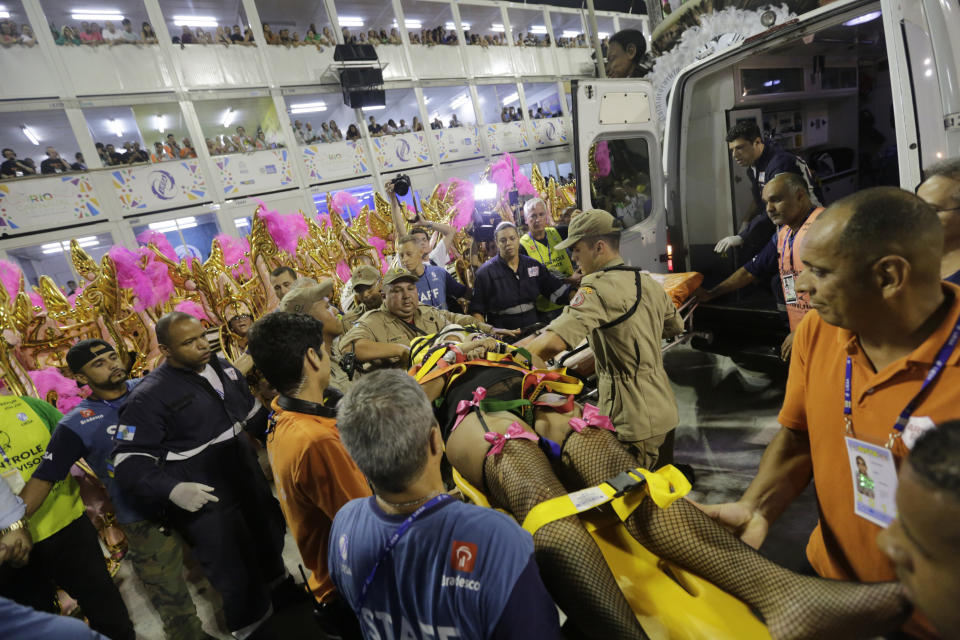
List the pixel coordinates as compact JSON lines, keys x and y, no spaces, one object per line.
{"x":515,"y":433}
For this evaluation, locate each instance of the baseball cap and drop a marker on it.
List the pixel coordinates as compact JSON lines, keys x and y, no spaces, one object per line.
{"x":364,"y":276}
{"x":591,"y":222}
{"x":397,"y":274}
{"x":300,"y":299}
{"x":85,"y":351}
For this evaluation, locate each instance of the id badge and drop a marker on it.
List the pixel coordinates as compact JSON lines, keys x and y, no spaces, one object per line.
{"x":789,"y":288}
{"x":916,"y":427}
{"x":13,"y":479}
{"x":874,"y":481}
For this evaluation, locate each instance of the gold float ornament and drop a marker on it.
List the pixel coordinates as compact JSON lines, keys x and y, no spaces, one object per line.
{"x":14,"y":374}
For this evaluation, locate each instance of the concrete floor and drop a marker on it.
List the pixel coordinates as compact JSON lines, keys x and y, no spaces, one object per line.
{"x":727,"y":417}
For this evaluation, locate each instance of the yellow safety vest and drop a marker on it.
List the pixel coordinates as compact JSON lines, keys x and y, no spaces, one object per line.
{"x":24,"y":436}
{"x":556,"y":260}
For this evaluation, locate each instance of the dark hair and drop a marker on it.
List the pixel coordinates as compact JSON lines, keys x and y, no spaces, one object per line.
{"x":746,"y":129}
{"x":419,"y":229}
{"x":887,"y":220}
{"x":934,"y":457}
{"x":506,"y":224}
{"x":612,"y":240}
{"x":279,"y":271}
{"x":278,"y":341}
{"x":627,"y":37}
{"x":7,"y":149}
{"x":165,"y":323}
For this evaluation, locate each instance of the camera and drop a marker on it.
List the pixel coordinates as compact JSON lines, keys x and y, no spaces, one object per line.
{"x":401,"y":184}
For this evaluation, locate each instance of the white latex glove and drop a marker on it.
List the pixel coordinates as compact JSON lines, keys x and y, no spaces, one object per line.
{"x":728,"y":243}
{"x":191,"y":496}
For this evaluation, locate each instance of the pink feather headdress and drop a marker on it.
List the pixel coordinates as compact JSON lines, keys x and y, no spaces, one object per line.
{"x":285,"y":230}
{"x":505,"y":172}
{"x":344,"y":202}
{"x":235,"y":254}
{"x":463,"y":199}
{"x":150,"y":282}
{"x":50,"y":379}
{"x":191,"y":307}
{"x":602,"y":157}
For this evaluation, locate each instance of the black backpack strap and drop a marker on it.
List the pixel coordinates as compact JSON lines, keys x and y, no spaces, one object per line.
{"x":636,"y":303}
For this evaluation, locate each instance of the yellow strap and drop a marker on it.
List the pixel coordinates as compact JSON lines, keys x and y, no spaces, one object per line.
{"x":664,"y":486}
{"x":427,"y":366}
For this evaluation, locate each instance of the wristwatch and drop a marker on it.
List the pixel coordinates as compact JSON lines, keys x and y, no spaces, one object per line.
{"x":19,"y":524}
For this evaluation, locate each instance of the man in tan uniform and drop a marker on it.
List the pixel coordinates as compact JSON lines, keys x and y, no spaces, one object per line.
{"x":623,"y":314}
{"x":382,"y":336}
{"x":366,"y":294}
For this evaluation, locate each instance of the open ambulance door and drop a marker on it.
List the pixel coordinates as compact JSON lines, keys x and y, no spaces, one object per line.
{"x":619,"y":165}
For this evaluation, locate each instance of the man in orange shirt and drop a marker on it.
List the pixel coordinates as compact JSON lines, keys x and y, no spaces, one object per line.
{"x":313,"y":472}
{"x":872,"y":369}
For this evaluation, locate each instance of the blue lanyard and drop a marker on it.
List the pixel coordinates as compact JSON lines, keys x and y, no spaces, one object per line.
{"x":536,"y":245}
{"x":428,"y":506}
{"x":791,"y":236}
{"x":938,"y":365}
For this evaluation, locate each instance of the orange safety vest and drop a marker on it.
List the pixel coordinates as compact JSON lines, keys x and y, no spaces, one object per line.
{"x":788,"y":255}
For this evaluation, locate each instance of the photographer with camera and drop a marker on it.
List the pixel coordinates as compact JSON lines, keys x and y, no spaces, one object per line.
{"x":438,"y":255}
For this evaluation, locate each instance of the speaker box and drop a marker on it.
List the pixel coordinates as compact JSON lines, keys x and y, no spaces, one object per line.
{"x":360,"y":77}
{"x":365,"y":98}
{"x":354,"y":52}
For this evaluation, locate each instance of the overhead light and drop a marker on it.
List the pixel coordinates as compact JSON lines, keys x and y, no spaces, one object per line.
{"x":602,"y":35}
{"x":485,"y":191}
{"x":449,"y":26}
{"x":513,"y":97}
{"x":374,"y":108}
{"x":308,"y":107}
{"x":31,"y":136}
{"x":496,"y":26}
{"x":161,"y":123}
{"x":867,"y":17}
{"x":116,"y":127}
{"x":928,"y":72}
{"x":927,"y":61}
{"x":538,"y":28}
{"x":241,"y":222}
{"x":409,"y":23}
{"x":228,"y":117}
{"x":426,"y":100}
{"x":96,"y":14}
{"x":172,"y":225}
{"x":568,"y":33}
{"x":350,"y":21}
{"x":771,"y":83}
{"x":3,"y":12}
{"x":195,"y":21}
{"x":459,"y":101}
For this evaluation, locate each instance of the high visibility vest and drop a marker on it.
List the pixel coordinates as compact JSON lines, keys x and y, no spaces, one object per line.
{"x":789,"y":244}
{"x":23,"y":438}
{"x":555,"y":260}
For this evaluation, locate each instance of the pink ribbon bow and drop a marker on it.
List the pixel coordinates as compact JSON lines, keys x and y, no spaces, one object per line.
{"x":514,"y":432}
{"x":591,"y":418}
{"x":463,"y":408}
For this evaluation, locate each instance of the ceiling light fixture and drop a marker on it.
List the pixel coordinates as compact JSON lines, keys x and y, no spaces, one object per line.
{"x":96,"y":14}
{"x":241,"y":222}
{"x":510,"y":99}
{"x":195,"y":21}
{"x":603,"y":35}
{"x":350,"y":21}
{"x":867,"y":17}
{"x":308,"y":107}
{"x":116,"y":127}
{"x":409,"y":23}
{"x":228,"y":117}
{"x":451,"y":26}
{"x":570,"y":33}
{"x":161,"y":123}
{"x":31,"y":136}
{"x":496,"y":26}
{"x":459,"y":101}
{"x":538,"y":29}
{"x":374,"y":108}
{"x":3,"y":12}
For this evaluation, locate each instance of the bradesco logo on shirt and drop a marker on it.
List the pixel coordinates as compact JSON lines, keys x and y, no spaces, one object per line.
{"x":463,"y":557}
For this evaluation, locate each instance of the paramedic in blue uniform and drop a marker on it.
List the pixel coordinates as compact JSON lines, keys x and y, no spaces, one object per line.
{"x":87,"y":432}
{"x":506,"y":286}
{"x":763,"y":159}
{"x":182,"y":455}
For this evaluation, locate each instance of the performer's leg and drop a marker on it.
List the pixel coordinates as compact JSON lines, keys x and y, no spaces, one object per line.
{"x":792,"y":605}
{"x":569,"y":560}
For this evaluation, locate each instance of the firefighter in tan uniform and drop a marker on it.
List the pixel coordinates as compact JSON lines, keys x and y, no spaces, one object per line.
{"x":623,"y":314}
{"x":382,"y":336}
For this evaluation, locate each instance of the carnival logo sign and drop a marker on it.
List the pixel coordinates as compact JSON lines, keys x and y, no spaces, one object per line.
{"x":162,"y":184}
{"x":40,"y":197}
{"x":550,"y":131}
{"x":403,"y":151}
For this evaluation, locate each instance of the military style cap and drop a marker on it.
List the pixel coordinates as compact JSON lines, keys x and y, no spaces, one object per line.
{"x":398,"y":274}
{"x":592,"y":222}
{"x":301,"y":298}
{"x":365,"y":276}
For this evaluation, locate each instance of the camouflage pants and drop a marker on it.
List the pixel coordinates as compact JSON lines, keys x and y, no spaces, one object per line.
{"x":158,"y":561}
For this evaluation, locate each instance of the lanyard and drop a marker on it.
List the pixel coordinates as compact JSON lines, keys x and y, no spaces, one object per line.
{"x":791,"y":236}
{"x":426,"y":507}
{"x":536,"y":246}
{"x":938,"y":365}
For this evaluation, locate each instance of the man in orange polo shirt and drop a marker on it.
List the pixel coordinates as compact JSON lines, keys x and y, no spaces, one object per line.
{"x":882,"y":322}
{"x":314,"y":474}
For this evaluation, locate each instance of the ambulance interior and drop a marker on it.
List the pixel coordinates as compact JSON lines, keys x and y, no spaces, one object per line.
{"x":825,"y":95}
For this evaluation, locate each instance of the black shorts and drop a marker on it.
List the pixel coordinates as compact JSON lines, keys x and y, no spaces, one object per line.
{"x":501,"y":383}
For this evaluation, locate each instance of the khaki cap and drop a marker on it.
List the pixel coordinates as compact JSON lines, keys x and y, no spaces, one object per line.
{"x":397,"y":274}
{"x":300,"y":299}
{"x":591,"y":222}
{"x":364,"y":276}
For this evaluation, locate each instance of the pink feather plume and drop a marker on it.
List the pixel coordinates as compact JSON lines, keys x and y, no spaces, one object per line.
{"x":36,"y":300}
{"x":235,"y":252}
{"x":160,"y":242}
{"x":602,"y":157}
{"x":343,"y":271}
{"x":505,"y":172}
{"x":463,"y":201}
{"x":50,"y":379}
{"x":191,"y":307}
{"x":345,"y":204}
{"x":285,"y":230}
{"x":10,"y":275}
{"x":151,"y":285}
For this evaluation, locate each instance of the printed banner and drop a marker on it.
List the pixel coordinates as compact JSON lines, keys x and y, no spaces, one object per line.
{"x":401,"y":151}
{"x":335,"y":160}
{"x":243,"y":173}
{"x":551,"y":132}
{"x":458,"y":143}
{"x":44,"y":203}
{"x":507,"y":136}
{"x":160,"y":186}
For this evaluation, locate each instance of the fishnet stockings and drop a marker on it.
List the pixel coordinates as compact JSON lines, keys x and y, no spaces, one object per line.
{"x":570,"y":562}
{"x":792,"y":605}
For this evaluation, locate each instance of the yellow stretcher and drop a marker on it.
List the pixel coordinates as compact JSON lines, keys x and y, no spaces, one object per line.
{"x":668,"y":601}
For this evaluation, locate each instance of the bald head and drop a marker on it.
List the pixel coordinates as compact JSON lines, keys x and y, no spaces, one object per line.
{"x":791,"y":182}
{"x":788,"y":202}
{"x":166,"y":323}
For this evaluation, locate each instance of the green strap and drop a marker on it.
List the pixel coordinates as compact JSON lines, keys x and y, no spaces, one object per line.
{"x":504,"y":405}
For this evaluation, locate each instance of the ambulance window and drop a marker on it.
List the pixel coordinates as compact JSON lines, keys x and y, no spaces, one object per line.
{"x":620,"y":179}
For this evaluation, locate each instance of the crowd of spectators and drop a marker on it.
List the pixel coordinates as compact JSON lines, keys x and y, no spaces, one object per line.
{"x":513,"y":114}
{"x":14,"y":167}
{"x":91,"y":33}
{"x":240,"y":142}
{"x":223,"y":35}
{"x":306,"y":133}
{"x":13,"y":34}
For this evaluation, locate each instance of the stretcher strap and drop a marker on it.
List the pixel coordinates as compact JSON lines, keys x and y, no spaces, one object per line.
{"x":664,"y":486}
